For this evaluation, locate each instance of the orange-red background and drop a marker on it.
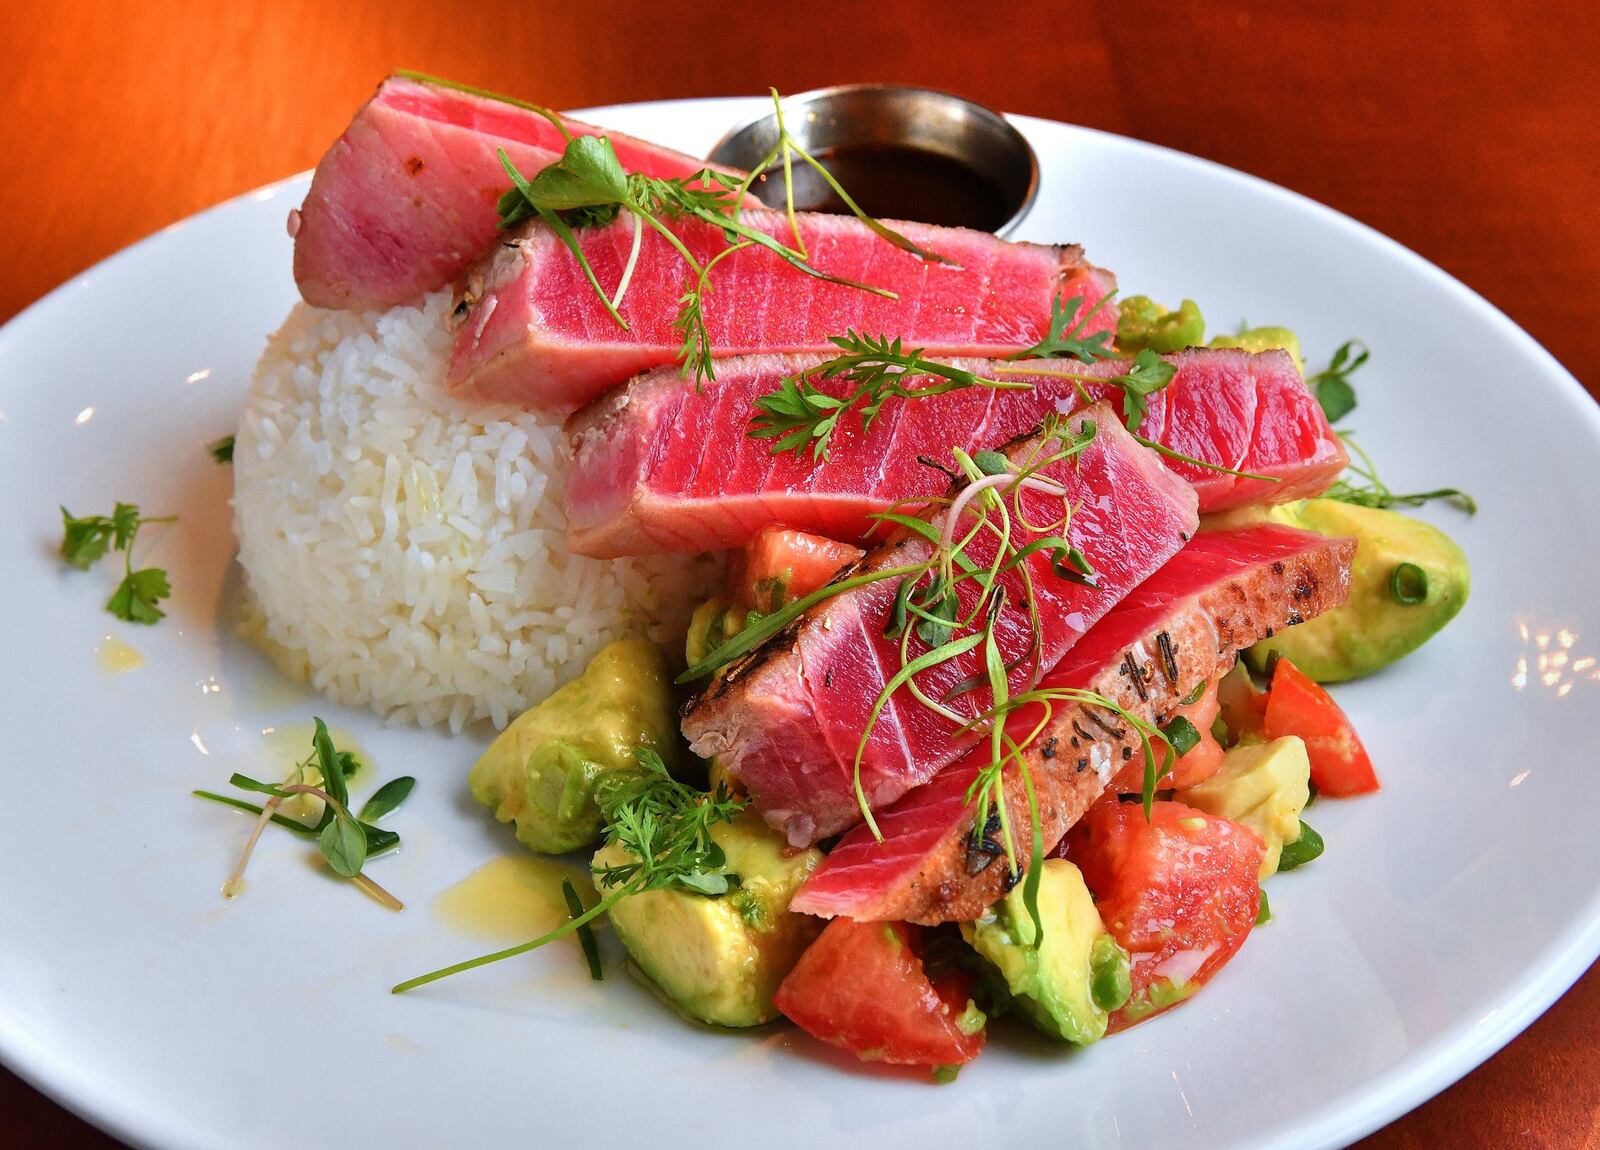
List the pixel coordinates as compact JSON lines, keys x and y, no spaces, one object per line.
{"x":1468,"y":131}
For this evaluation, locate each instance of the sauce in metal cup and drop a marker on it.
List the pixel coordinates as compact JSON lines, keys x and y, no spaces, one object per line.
{"x":901,"y":154}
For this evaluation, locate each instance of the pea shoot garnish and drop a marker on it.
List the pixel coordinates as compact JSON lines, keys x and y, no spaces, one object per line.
{"x":665,"y":828}
{"x":1362,"y":487}
{"x":86,"y":539}
{"x":346,"y":840}
{"x":1331,"y":385}
{"x":588,"y":187}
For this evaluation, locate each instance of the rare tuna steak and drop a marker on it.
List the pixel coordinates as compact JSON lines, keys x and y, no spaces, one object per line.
{"x":1223,"y":591}
{"x":533,"y":331}
{"x":404,"y":201}
{"x":664,"y":466}
{"x":790,"y":720}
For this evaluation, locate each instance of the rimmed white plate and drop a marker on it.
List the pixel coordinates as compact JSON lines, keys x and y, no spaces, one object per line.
{"x":1446,"y":914}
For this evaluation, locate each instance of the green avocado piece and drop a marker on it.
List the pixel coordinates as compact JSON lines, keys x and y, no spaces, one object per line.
{"x":1374,"y":627}
{"x":1259,"y":339}
{"x":720,"y":959}
{"x":541,"y":771}
{"x":1143,"y":323}
{"x":1069,"y":983}
{"x":713,"y":623}
{"x":1263,"y":786}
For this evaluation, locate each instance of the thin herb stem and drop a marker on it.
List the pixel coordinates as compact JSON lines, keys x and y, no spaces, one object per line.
{"x":569,"y":927}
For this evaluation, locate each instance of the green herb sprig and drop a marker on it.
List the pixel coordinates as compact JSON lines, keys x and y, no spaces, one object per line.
{"x":799,"y":414}
{"x":876,"y":369}
{"x":1362,"y":487}
{"x":588,"y":187}
{"x":221,"y":450}
{"x":346,"y":840}
{"x":664,"y":825}
{"x":85,"y":539}
{"x":1331,"y":386}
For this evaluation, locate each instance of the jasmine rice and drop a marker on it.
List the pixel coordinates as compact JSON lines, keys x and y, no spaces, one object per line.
{"x":405,"y":550}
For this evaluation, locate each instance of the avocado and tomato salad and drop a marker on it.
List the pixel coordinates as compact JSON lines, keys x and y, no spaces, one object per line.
{"x":1154,"y":888}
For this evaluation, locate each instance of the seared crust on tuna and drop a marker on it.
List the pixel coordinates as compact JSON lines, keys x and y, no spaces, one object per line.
{"x":1225,"y":591}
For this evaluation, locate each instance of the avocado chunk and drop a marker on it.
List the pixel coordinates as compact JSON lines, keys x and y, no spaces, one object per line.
{"x":541,"y":771}
{"x":1069,"y":983}
{"x":1380,"y":622}
{"x":1264,"y":786}
{"x":1259,"y":339}
{"x":713,"y":623}
{"x":719,"y":959}
{"x":1142,"y":324}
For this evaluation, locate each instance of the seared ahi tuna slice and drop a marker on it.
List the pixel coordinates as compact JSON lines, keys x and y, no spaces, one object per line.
{"x":534,"y":332}
{"x":788,"y":720}
{"x":404,"y":201}
{"x":664,"y":466}
{"x":1223,"y":592}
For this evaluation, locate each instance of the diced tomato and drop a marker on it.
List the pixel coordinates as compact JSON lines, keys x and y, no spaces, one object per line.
{"x":1196,"y":765}
{"x":1179,"y":892}
{"x":1298,"y":706}
{"x":780,"y":565}
{"x":862,"y":986}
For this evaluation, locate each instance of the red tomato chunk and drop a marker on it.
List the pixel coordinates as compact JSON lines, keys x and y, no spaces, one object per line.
{"x":1298,"y":706}
{"x":1179,"y":892}
{"x":781,"y":565}
{"x":862,"y":986}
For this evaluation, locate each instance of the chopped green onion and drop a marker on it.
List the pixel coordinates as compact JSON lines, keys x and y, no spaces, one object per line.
{"x":1408,"y":583}
{"x":1305,"y":848}
{"x":1182,"y":734}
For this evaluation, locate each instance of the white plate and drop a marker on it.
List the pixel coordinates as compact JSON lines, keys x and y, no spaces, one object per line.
{"x":1447,"y":913}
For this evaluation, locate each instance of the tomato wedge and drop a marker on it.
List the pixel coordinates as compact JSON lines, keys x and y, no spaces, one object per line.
{"x":862,"y":986}
{"x":1196,"y":765}
{"x":1298,"y":706}
{"x":1179,"y":892}
{"x":780,"y":565}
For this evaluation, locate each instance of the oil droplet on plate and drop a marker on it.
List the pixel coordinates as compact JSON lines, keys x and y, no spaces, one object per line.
{"x":115,"y":657}
{"x":512,"y":898}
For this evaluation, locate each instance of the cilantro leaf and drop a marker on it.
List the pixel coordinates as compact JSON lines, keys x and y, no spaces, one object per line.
{"x":1064,"y":340}
{"x":136,"y":596}
{"x":1149,"y":374}
{"x":125,"y":524}
{"x":84,"y":540}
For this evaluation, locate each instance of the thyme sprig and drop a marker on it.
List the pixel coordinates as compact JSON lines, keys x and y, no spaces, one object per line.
{"x":876,"y":369}
{"x":588,"y":187}
{"x":665,"y":828}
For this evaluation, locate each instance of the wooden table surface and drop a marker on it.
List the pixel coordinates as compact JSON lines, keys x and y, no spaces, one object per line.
{"x":1470,"y":133}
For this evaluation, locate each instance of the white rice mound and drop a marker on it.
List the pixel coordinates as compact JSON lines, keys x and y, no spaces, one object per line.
{"x":406,"y":551}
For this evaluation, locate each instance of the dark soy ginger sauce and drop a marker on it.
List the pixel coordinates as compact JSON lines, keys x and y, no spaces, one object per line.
{"x":894,"y":182}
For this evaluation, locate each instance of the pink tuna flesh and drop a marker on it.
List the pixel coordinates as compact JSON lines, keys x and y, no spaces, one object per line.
{"x":1222,"y":592}
{"x":788,"y":720}
{"x":534,"y":332}
{"x":404,"y":201}
{"x":664,"y":466}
